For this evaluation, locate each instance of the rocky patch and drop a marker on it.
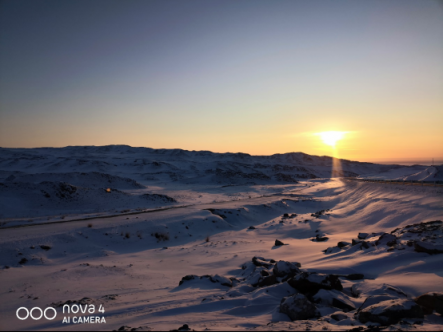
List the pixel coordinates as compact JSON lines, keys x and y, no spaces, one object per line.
{"x":285,"y":269}
{"x":318,"y":214}
{"x":424,"y":237}
{"x":309,"y":283}
{"x":390,"y":311}
{"x":315,"y":293}
{"x":214,"y":279}
{"x":431,"y":302}
{"x":298,"y":307}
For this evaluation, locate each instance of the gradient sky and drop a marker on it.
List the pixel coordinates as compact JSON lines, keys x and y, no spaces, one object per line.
{"x":259,"y":77}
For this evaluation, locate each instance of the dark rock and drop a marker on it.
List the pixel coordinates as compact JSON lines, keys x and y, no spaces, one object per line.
{"x":365,"y":245}
{"x":219,"y":279}
{"x":354,"y":242}
{"x":187,"y":278}
{"x":185,"y":327}
{"x":309,"y":283}
{"x":260,"y":261}
{"x":286,"y":269}
{"x":298,"y":307}
{"x":430,"y":302}
{"x":387,"y":240}
{"x":32,"y":247}
{"x":279,"y":243}
{"x":264,"y":273}
{"x":319,"y":238}
{"x":251,"y":227}
{"x":342,"y":244}
{"x":23,"y":261}
{"x":428,"y":247}
{"x":214,"y":279}
{"x":390,"y":311}
{"x":362,"y":236}
{"x":268,"y":281}
{"x":45,"y":247}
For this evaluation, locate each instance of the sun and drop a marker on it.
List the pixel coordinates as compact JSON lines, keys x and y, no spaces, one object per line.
{"x":331,"y":137}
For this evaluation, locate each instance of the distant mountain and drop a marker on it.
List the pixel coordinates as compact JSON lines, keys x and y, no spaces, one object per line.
{"x":89,"y":179}
{"x":149,"y":164}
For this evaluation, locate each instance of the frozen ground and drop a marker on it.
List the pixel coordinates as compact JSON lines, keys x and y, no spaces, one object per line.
{"x":132,"y":264}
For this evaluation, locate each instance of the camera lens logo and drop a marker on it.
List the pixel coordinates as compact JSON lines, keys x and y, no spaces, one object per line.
{"x":36,"y":313}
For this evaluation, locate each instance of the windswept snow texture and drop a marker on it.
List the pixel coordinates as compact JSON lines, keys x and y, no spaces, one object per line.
{"x":186,"y":239}
{"x":32,"y":180}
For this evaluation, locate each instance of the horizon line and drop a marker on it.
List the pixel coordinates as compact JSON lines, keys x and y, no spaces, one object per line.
{"x":374,"y":161}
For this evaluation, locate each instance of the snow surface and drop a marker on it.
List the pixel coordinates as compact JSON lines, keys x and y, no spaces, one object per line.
{"x":133,"y":255}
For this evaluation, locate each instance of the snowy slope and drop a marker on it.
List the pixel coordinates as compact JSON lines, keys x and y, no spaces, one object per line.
{"x":135,"y":266}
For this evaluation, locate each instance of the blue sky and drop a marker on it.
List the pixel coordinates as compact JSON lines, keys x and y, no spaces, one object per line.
{"x":250,"y":76}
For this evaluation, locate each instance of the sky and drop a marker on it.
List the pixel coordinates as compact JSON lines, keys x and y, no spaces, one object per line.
{"x":259,"y":77}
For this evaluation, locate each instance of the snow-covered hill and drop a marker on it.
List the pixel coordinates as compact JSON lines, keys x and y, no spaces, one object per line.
{"x":30,"y":179}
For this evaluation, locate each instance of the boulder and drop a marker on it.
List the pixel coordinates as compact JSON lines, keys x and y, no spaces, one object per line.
{"x":362,"y":236}
{"x":255,"y":275}
{"x":286,"y":269}
{"x":219,"y":279}
{"x":309,"y":283}
{"x":188,"y":278}
{"x":333,"y":298}
{"x":278,"y":243}
{"x":390,"y":311}
{"x":386,"y":240}
{"x":384,"y":289}
{"x":45,"y":247}
{"x":298,"y":307}
{"x":427,"y":247}
{"x":342,"y":244}
{"x":260,"y":261}
{"x":430,"y":302}
{"x":374,"y":299}
{"x":319,"y":238}
{"x":267,"y":281}
{"x":364,"y":245}
{"x":332,"y":250}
